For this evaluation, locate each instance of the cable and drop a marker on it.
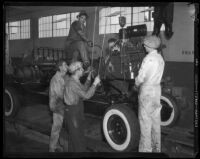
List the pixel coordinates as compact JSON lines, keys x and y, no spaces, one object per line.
{"x":102,"y":46}
{"x":93,"y":35}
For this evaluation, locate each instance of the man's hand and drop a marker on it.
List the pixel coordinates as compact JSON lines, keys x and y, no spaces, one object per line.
{"x":135,"y":88}
{"x":110,"y":67}
{"x":97,"y":80}
{"x":90,"y":43}
{"x":89,"y":76}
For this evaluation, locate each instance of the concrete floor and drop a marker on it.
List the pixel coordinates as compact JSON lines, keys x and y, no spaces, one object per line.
{"x":15,"y":143}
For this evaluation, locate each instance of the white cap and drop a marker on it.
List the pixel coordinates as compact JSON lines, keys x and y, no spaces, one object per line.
{"x":152,"y":41}
{"x":74,"y":66}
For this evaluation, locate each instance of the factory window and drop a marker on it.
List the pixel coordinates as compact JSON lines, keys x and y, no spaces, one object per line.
{"x":111,"y":24}
{"x":73,"y":16}
{"x":45,"y":27}
{"x":134,"y":16}
{"x":18,"y":29}
{"x":61,"y":25}
{"x":56,"y":25}
{"x":25,"y":29}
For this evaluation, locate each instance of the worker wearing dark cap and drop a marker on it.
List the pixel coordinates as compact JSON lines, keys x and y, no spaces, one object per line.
{"x":77,"y":42}
{"x":148,"y":81}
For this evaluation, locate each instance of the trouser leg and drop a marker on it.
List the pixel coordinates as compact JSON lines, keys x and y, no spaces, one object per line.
{"x":55,"y":131}
{"x":76,"y":130}
{"x":156,"y":120}
{"x":156,"y":133}
{"x":82,"y":49}
{"x":145,"y":131}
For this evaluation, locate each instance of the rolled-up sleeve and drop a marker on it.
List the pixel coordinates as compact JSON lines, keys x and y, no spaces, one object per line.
{"x":82,"y":93}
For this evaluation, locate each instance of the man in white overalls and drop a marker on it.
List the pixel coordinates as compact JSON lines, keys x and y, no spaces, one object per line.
{"x":148,"y":81}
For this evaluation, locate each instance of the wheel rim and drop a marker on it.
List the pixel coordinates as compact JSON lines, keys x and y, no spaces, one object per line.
{"x":117,"y":129}
{"x":167,"y":111}
{"x":8,"y":103}
{"x":114,"y":145}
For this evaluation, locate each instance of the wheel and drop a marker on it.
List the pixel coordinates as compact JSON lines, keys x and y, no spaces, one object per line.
{"x":12,"y":102}
{"x":121,"y":128}
{"x":169,"y":111}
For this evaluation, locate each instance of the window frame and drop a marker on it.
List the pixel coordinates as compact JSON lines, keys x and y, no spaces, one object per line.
{"x":134,"y":11}
{"x":26,"y":29}
{"x":53,"y":29}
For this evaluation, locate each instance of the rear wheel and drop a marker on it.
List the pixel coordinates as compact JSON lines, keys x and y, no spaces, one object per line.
{"x":12,"y":102}
{"x":169,"y":111}
{"x":121,"y":128}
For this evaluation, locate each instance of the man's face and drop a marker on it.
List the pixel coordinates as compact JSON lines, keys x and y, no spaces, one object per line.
{"x":64,"y":67}
{"x":82,"y":19}
{"x":111,"y":44}
{"x":80,"y":71}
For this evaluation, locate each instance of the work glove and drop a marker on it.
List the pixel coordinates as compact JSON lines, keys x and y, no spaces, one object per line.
{"x":97,"y":80}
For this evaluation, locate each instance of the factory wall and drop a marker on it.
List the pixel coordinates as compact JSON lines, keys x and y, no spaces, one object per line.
{"x":178,"y":53}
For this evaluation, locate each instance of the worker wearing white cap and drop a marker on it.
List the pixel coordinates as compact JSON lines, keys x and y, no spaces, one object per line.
{"x":148,"y":81}
{"x":74,"y":94}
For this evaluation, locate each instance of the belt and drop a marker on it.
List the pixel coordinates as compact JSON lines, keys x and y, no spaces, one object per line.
{"x":156,"y":85}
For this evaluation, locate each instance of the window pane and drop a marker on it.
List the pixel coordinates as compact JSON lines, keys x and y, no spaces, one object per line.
{"x":45,"y":27}
{"x":135,"y":9}
{"x":14,"y":30}
{"x":114,"y":9}
{"x":141,"y":17}
{"x":107,"y":29}
{"x":25,"y":29}
{"x":135,"y":18}
{"x":115,"y":20}
{"x":128,"y":18}
{"x":74,"y":16}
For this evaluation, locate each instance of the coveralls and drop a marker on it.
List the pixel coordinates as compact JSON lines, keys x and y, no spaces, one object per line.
{"x":76,"y":44}
{"x":56,"y":103}
{"x":74,"y":94}
{"x":149,"y":79}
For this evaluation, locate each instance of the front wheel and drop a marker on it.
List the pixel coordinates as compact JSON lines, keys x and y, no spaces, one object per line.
{"x":121,"y":128}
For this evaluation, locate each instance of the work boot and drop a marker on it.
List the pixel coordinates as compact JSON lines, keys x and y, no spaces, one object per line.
{"x":168,"y":31}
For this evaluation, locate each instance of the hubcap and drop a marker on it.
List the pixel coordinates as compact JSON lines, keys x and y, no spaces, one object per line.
{"x":117,"y":129}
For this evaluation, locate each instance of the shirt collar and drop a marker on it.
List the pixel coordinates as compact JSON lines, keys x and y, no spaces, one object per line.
{"x":58,"y":74}
{"x":153,"y":52}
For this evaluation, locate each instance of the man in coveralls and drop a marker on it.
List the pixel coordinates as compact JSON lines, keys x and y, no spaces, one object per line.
{"x":77,"y":42}
{"x":56,"y":103}
{"x":148,"y":80}
{"x":74,"y":94}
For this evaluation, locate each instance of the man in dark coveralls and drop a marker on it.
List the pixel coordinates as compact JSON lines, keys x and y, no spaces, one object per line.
{"x":77,"y":42}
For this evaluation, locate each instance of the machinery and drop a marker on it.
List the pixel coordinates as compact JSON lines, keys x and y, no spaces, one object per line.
{"x":115,"y":100}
